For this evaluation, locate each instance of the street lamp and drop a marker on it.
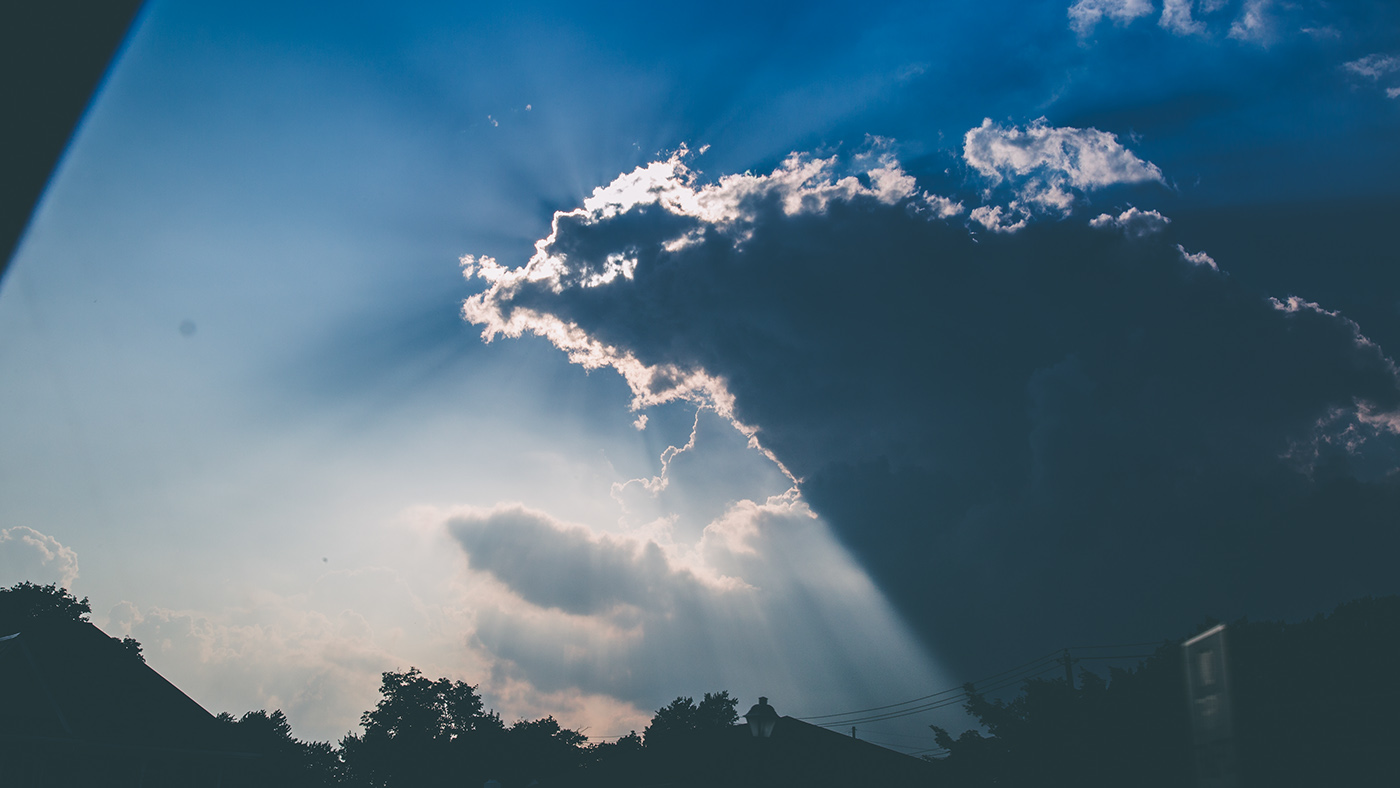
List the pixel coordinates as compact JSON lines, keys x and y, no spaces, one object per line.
{"x":761,"y":719}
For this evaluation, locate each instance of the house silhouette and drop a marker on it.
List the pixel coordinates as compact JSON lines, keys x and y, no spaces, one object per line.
{"x":79,"y":709}
{"x":799,"y":753}
{"x":793,"y":754}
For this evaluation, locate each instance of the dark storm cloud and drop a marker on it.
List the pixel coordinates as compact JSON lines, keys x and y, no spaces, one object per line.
{"x":1058,"y":434}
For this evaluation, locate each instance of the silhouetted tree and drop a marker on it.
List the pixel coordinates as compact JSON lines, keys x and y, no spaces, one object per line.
{"x":285,"y":762}
{"x":1128,"y":729}
{"x":407,"y":734}
{"x":26,"y":603}
{"x":615,"y":763}
{"x":29,"y":602}
{"x":682,"y":718}
{"x":1314,"y":704}
{"x":426,"y":732}
{"x":537,"y":752}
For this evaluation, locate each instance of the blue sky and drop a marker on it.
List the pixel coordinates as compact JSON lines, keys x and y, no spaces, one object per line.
{"x":941,"y":306}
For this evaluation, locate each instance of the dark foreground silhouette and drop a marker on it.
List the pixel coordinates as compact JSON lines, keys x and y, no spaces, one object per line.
{"x":1315,"y":704}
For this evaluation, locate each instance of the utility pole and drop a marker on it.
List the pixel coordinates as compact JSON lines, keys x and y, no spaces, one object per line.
{"x":1069,"y":668}
{"x":853,"y":731}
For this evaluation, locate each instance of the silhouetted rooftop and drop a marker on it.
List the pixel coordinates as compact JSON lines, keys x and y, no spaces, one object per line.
{"x":69,"y":681}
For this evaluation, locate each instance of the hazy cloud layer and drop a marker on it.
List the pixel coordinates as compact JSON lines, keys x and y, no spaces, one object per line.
{"x":317,"y":655}
{"x":1061,"y":407}
{"x":641,"y":616}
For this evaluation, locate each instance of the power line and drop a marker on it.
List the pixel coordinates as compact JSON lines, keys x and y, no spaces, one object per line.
{"x":1006,"y":681}
{"x":1003,"y":684}
{"x":939,"y":703}
{"x":994,"y":676}
{"x":927,"y":697}
{"x":1117,"y":645}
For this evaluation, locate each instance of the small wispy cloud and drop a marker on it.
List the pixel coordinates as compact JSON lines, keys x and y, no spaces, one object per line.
{"x":1254,"y":22}
{"x":1198,"y":258}
{"x":1133,"y":222}
{"x":1085,"y":15}
{"x":1176,"y":17}
{"x":1375,"y":67}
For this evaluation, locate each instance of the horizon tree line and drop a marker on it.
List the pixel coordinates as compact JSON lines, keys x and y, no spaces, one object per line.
{"x":1317,"y":703}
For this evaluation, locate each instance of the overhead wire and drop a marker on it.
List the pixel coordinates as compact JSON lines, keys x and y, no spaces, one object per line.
{"x":961,"y":698}
{"x":932,"y":695}
{"x":1117,"y":645}
{"x":938,"y":704}
{"x":1001,"y":681}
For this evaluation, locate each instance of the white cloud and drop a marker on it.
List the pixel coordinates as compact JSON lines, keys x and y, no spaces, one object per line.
{"x":1085,"y":15}
{"x":1197,"y":258}
{"x":994,"y":218}
{"x":1046,"y":164}
{"x":804,"y":184}
{"x":1373,"y":66}
{"x":26,"y":554}
{"x":943,"y":207}
{"x":1133,"y":222}
{"x":1176,"y":17}
{"x":1254,"y":22}
{"x":1392,"y":92}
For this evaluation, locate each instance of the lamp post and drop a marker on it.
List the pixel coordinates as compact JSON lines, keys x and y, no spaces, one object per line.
{"x":761,"y":719}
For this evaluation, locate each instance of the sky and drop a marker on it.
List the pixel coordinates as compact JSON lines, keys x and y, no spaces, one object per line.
{"x":594,"y":355}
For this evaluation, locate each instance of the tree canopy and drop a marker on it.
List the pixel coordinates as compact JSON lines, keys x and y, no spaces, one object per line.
{"x":26,"y":604}
{"x":1314,"y":704}
{"x":682,"y":717}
